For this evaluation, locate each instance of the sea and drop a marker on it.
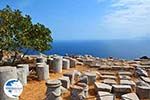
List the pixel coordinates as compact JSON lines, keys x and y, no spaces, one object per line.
{"x":123,"y":49}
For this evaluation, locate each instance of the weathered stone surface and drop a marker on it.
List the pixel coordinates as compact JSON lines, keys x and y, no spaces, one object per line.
{"x":25,"y":66}
{"x":91,"y":77}
{"x":50,"y":63}
{"x":108,"y":77}
{"x":129,"y":96}
{"x":148,"y":71}
{"x":125,"y":73}
{"x":105,"y":96}
{"x":128,"y":82}
{"x":145,"y":79}
{"x":83,"y":79}
{"x":73,"y":62}
{"x":119,"y":90}
{"x":66,"y":64}
{"x":102,"y":87}
{"x":108,"y":73}
{"x":22,"y":75}
{"x":85,"y":88}
{"x":71,"y":77}
{"x":140,"y":72}
{"x":42,"y":71}
{"x":6,"y":73}
{"x":53,"y":90}
{"x":57,"y":64}
{"x":77,"y":93}
{"x":40,"y":60}
{"x":77,"y":75}
{"x":65,"y":81}
{"x":143,"y":90}
{"x":124,"y":77}
{"x":109,"y":81}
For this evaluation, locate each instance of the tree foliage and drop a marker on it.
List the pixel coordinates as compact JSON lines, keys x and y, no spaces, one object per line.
{"x":17,"y":32}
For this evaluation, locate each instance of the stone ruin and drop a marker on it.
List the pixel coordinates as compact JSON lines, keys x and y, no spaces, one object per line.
{"x":112,"y":79}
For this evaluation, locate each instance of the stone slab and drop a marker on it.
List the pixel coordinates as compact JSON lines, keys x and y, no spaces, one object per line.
{"x":145,"y":79}
{"x":105,"y":96}
{"x":128,"y":82}
{"x":109,"y":81}
{"x":102,"y":87}
{"x":130,"y":96}
{"x":119,"y":90}
{"x":125,"y":73}
{"x":124,"y":77}
{"x":108,"y":77}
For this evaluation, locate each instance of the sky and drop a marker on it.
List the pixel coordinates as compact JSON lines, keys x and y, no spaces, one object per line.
{"x":88,"y":19}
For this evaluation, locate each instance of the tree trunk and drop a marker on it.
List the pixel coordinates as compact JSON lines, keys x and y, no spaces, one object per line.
{"x":1,"y":54}
{"x":14,"y":58}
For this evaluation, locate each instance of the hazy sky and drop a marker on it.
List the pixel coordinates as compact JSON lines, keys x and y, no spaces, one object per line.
{"x":89,"y":19}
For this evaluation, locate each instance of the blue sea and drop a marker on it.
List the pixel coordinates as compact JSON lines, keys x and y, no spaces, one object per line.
{"x":125,"y":49}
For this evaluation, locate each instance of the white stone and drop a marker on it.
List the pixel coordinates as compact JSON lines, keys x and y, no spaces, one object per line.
{"x":129,"y":96}
{"x":125,"y":73}
{"x":145,"y":79}
{"x":102,"y":87}
{"x":128,"y":82}
{"x":124,"y":77}
{"x":108,"y":77}
{"x":105,"y":96}
{"x":65,"y":82}
{"x":119,"y":90}
{"x":6,"y":73}
{"x":109,"y":81}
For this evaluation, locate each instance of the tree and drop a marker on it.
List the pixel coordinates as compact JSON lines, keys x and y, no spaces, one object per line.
{"x":17,"y":32}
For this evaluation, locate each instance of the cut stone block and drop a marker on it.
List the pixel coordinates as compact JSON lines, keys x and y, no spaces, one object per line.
{"x":77,"y":93}
{"x":53,"y":90}
{"x":128,"y":82}
{"x":42,"y":71}
{"x":148,"y":71}
{"x":143,"y":92}
{"x":57,"y":64}
{"x":73,"y":63}
{"x":25,"y":66}
{"x":83,"y":79}
{"x":77,"y":75}
{"x":124,"y":77}
{"x":85,"y":88}
{"x":22,"y":75}
{"x":109,"y":81}
{"x":108,"y":73}
{"x":102,"y":87}
{"x":129,"y":96}
{"x":65,"y":82}
{"x":119,"y":90}
{"x":71,"y":77}
{"x":108,"y":77}
{"x":66,"y":64}
{"x":50,"y":63}
{"x":140,"y":72}
{"x":6,"y":73}
{"x":105,"y":96}
{"x":145,"y":79}
{"x":91,"y":77}
{"x":125,"y":73}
